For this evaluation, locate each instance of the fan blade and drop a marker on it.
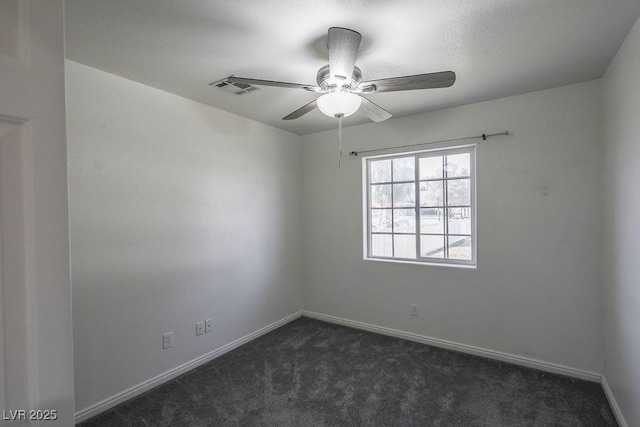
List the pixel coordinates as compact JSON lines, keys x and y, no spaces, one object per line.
{"x":418,"y":81}
{"x":343,"y":51}
{"x":373,"y":110}
{"x":302,"y":111}
{"x":246,"y":81}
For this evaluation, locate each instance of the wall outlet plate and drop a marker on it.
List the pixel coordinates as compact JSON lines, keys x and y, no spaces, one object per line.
{"x":208,"y":325}
{"x":199,"y":328}
{"x":167,"y":340}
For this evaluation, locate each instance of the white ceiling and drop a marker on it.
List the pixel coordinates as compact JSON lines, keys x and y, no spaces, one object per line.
{"x":496,"y":47}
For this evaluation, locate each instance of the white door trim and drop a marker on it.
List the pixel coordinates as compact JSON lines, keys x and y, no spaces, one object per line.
{"x":18,"y":343}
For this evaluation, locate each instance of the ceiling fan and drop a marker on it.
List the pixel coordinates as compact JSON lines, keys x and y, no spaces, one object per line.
{"x":341,"y":83}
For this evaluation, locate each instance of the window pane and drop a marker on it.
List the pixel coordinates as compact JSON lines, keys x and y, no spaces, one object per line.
{"x":458,"y":165}
{"x":404,"y":169}
{"x":380,"y":171}
{"x":404,"y":246}
{"x":459,"y":192}
{"x":404,"y":195}
{"x":381,"y":220}
{"x":381,"y":245}
{"x":431,"y":193}
{"x":459,"y":220}
{"x":430,"y":167}
{"x":381,"y":196}
{"x":432,"y":246}
{"x":404,"y":221}
{"x":460,"y":247}
{"x":432,"y":221}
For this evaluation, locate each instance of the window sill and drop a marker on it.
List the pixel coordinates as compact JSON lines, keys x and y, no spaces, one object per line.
{"x":430,"y":264}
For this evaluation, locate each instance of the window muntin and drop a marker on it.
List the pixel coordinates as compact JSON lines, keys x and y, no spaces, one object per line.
{"x":421,"y":206}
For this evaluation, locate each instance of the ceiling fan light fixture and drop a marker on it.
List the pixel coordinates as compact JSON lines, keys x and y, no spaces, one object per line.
{"x":339,"y":103}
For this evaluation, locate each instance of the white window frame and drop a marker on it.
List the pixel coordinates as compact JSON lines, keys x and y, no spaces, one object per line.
{"x":441,"y":151}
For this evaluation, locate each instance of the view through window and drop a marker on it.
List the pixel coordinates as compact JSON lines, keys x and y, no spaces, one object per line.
{"x":421,"y":206}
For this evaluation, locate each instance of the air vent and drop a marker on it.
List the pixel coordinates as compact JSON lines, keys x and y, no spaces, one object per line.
{"x":235,"y":88}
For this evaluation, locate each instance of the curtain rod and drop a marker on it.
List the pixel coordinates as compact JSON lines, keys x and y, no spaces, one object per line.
{"x":483,"y":136}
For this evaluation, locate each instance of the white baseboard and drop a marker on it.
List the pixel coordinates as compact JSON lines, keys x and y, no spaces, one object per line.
{"x":464,"y":348}
{"x":129,"y":393}
{"x":613,"y":403}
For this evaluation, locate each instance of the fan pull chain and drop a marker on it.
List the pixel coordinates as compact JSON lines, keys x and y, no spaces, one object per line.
{"x":339,"y":140}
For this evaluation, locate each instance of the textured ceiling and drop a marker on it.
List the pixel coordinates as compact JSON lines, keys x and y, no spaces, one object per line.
{"x":496,"y":47}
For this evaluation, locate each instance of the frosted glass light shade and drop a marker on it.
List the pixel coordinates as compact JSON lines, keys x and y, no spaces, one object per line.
{"x":339,"y":103}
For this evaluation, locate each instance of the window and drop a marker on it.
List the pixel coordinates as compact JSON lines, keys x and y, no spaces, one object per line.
{"x":420,"y":206}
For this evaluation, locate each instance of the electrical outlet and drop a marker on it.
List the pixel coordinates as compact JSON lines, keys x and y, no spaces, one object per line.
{"x":199,"y":328}
{"x":167,"y":340}
{"x":208,"y":325}
{"x":414,"y":310}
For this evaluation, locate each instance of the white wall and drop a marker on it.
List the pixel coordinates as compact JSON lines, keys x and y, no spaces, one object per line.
{"x":621,"y":284}
{"x":178,"y":212}
{"x":32,"y":93}
{"x":535,"y":292}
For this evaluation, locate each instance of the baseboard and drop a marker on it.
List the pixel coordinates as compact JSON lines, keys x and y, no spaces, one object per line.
{"x":129,"y":393}
{"x":464,"y":348}
{"x":613,"y":403}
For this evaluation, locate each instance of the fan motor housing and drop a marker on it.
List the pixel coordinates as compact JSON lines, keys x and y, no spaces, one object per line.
{"x":324,"y":75}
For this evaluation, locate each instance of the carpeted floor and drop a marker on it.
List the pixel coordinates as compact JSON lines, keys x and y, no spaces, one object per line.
{"x":313,"y":373}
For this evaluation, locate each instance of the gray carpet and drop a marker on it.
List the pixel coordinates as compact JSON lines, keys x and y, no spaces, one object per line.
{"x":313,"y":373}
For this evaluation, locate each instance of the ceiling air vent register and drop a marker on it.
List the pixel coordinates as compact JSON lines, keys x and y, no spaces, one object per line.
{"x":235,"y":88}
